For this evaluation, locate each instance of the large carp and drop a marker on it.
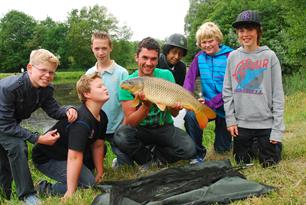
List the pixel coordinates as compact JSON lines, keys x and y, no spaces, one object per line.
{"x":164,"y":93}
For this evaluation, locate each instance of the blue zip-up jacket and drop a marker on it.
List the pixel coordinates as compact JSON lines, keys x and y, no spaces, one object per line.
{"x":211,"y":70}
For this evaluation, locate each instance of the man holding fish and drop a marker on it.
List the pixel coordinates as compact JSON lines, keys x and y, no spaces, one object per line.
{"x":148,"y":124}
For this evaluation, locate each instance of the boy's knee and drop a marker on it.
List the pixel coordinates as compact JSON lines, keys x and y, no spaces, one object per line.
{"x":190,"y":150}
{"x":190,"y":116}
{"x":18,"y":148}
{"x":87,"y":182}
{"x":122,"y":134}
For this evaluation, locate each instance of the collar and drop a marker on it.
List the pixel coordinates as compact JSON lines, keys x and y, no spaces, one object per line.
{"x":110,"y":69}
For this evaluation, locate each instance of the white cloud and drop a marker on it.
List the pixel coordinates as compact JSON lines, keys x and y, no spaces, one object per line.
{"x":155,"y":18}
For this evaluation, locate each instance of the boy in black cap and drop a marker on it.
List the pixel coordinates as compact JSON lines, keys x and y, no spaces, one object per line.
{"x":253,"y":95}
{"x":174,"y":49}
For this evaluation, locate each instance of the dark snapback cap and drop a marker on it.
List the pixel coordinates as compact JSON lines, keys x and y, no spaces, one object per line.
{"x":248,"y":17}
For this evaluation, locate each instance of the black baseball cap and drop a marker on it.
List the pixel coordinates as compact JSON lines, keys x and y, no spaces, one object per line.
{"x":248,"y":17}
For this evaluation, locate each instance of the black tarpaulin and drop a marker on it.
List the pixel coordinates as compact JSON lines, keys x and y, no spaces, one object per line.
{"x":208,"y":183}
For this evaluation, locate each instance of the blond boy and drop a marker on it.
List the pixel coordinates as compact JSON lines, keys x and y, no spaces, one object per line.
{"x":20,"y":96}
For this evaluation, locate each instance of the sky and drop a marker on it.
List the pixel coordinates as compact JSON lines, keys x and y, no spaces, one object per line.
{"x":156,"y":18}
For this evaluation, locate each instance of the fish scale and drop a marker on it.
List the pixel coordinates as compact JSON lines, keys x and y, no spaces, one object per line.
{"x":165,"y":93}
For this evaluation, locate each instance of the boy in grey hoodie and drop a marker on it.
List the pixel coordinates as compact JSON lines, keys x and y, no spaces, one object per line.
{"x":253,"y":95}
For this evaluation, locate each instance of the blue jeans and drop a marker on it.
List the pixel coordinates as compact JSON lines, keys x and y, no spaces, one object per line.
{"x":57,"y":170}
{"x":14,"y":165}
{"x":171,"y":143}
{"x":223,"y":138}
{"x":122,"y":158}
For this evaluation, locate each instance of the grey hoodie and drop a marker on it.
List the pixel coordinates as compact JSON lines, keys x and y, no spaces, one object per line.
{"x":253,"y":92}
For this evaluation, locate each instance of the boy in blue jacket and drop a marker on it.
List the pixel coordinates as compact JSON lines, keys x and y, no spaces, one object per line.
{"x":209,"y":64}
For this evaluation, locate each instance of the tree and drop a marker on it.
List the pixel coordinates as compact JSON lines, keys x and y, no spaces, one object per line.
{"x":51,"y":35}
{"x":81,"y":25}
{"x":294,"y":35}
{"x":281,"y":22}
{"x":16,"y":32}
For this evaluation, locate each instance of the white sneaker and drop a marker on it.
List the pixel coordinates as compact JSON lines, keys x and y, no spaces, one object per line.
{"x":196,"y":161}
{"x":32,"y":200}
{"x":115,"y":163}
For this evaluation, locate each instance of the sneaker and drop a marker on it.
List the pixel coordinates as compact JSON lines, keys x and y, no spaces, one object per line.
{"x":44,"y":188}
{"x":153,"y":163}
{"x":115,"y":163}
{"x":32,"y":200}
{"x":196,"y":161}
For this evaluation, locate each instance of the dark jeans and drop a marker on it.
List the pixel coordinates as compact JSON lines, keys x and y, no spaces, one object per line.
{"x":253,"y":143}
{"x":171,"y":143}
{"x":122,"y":158}
{"x":14,"y":165}
{"x":57,"y":170}
{"x":223,"y":139}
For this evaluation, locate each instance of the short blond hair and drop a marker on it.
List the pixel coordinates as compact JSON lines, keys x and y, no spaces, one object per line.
{"x":101,"y":35}
{"x":41,"y":56}
{"x":83,"y":85}
{"x":208,"y":30}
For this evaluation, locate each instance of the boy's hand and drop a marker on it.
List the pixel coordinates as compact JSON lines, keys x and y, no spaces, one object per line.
{"x":72,"y":114}
{"x":99,"y":178}
{"x":49,"y":138}
{"x":201,"y":100}
{"x":67,"y":195}
{"x":233,"y":130}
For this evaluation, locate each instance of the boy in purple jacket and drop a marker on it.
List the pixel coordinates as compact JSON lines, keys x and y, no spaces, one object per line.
{"x":209,"y":64}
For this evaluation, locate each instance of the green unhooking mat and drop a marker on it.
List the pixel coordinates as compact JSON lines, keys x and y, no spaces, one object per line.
{"x":208,"y":183}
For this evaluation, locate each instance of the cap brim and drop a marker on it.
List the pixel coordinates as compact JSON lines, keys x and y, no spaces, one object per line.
{"x":238,"y":24}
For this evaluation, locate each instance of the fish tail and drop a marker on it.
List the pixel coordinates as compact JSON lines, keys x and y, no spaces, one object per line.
{"x":201,"y":118}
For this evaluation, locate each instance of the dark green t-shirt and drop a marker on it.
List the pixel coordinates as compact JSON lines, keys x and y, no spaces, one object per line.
{"x":155,"y":117}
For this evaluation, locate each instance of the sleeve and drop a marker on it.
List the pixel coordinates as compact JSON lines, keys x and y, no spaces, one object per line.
{"x":104,"y":122}
{"x":8,"y":123}
{"x":124,"y":76}
{"x":78,"y":136}
{"x":228,"y":97}
{"x":278,"y":126}
{"x":168,"y":76}
{"x":192,"y":74}
{"x":215,"y":102}
{"x":125,"y":95}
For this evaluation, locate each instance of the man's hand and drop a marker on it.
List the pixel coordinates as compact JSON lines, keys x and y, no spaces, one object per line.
{"x":233,"y":130}
{"x":72,"y":114}
{"x":177,"y":106}
{"x":144,"y":100}
{"x":49,"y":138}
{"x":201,"y":100}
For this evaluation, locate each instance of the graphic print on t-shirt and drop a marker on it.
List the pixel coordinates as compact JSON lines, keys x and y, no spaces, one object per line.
{"x":249,"y":75}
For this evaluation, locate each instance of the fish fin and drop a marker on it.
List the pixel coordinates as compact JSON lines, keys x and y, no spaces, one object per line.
{"x":162,"y":107}
{"x":135,"y":102}
{"x":202,"y":119}
{"x":210,"y":113}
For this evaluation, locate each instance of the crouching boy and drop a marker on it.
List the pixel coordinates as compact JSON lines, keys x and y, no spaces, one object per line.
{"x":20,"y":96}
{"x":78,"y":152}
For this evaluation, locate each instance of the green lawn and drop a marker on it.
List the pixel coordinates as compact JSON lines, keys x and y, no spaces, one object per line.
{"x":289,"y":176}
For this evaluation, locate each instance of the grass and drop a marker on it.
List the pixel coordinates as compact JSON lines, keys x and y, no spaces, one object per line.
{"x":289,"y":176}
